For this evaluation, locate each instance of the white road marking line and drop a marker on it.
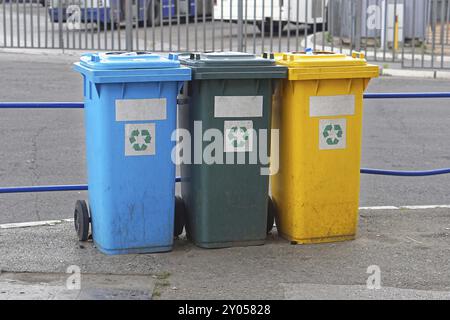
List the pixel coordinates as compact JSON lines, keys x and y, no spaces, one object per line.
{"x":444,"y":206}
{"x":425,"y":207}
{"x":55,"y":222}
{"x":30,"y":224}
{"x":380,"y":208}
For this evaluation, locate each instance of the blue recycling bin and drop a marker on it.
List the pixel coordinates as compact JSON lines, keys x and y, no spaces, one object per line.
{"x":130,"y":114}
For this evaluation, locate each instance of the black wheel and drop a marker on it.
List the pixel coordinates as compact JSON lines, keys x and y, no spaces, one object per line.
{"x":81,"y":220}
{"x":180,"y":216}
{"x":154,"y":16}
{"x":270,"y":215}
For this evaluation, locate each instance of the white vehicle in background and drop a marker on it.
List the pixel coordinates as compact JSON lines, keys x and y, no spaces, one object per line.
{"x":267,"y":12}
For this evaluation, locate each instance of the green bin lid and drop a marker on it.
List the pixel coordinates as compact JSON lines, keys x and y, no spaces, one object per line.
{"x":231,"y":65}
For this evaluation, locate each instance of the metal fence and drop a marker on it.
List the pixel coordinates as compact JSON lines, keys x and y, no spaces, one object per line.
{"x":414,"y":33}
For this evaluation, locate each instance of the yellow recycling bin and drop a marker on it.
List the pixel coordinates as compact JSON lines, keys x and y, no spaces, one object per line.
{"x":318,"y":111}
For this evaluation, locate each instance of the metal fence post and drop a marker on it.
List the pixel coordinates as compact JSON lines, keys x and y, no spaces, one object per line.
{"x":129,"y":25}
{"x":358,"y":24}
{"x":60,"y":25}
{"x":240,"y":45}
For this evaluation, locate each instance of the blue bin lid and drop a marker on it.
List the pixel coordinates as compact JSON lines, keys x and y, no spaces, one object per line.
{"x":143,"y":66}
{"x":114,"y":60}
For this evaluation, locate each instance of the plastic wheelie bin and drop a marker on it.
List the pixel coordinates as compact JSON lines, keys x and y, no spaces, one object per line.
{"x":130,"y":114}
{"x":318,"y":111}
{"x":226,"y":200}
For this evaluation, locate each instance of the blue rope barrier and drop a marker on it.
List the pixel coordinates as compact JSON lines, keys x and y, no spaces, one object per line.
{"x":84,"y":187}
{"x":41,"y":105}
{"x":405,"y":173}
{"x":408,"y":95}
{"x":80,"y":105}
{"x":73,"y":187}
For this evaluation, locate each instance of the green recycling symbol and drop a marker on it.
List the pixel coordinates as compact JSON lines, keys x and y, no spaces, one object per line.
{"x":145,"y":134}
{"x":332,"y":134}
{"x":238,"y":136}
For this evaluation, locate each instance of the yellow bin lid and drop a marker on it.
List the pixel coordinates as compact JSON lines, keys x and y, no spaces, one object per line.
{"x":326,"y":65}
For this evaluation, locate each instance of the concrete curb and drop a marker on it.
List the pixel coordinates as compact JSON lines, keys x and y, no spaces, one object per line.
{"x":47,"y":52}
{"x":379,"y":55}
{"x":424,"y":74}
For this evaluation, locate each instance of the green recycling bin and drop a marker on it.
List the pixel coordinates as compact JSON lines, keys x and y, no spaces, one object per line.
{"x":225,"y":172}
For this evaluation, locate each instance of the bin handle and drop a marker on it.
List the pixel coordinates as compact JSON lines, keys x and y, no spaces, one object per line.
{"x":358,"y":55}
{"x":182,"y":101}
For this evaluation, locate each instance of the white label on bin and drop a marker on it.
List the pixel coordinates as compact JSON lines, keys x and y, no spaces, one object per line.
{"x":238,"y":106}
{"x":332,"y":134}
{"x":140,"y":139}
{"x":329,"y":106}
{"x":141,"y":109}
{"x":238,"y":136}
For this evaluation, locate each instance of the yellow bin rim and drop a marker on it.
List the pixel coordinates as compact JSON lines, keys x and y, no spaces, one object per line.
{"x":326,"y":65}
